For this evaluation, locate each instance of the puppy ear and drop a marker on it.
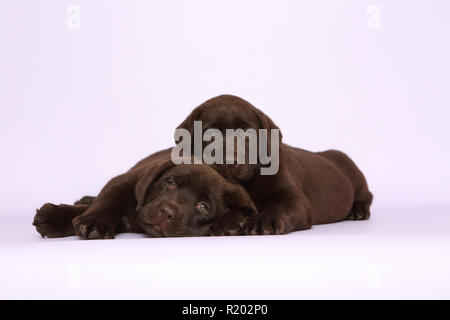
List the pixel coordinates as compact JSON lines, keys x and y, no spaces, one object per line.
{"x":237,"y":198}
{"x":266,"y":122}
{"x":196,"y":114}
{"x":146,"y":177}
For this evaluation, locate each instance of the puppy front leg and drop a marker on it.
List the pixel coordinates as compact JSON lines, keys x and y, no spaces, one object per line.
{"x":55,"y":221}
{"x":104,"y":216}
{"x":280,"y":218}
{"x":231,"y":223}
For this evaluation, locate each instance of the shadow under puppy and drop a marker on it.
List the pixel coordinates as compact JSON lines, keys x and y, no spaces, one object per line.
{"x":309,"y":187}
{"x":157,"y":198}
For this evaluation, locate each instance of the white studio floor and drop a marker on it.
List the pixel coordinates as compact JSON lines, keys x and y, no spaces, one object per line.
{"x":398,"y":254}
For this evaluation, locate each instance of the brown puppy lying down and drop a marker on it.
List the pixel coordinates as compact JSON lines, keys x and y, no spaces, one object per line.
{"x":309,"y":188}
{"x":157,"y":198}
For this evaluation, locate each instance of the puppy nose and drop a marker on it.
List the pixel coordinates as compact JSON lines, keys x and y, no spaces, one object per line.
{"x":167,"y":211}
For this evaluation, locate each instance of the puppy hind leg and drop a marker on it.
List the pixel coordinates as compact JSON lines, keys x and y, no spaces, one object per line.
{"x":85,"y":200}
{"x":362,"y":196}
{"x":361,"y":206}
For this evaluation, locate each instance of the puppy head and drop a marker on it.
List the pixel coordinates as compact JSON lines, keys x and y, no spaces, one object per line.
{"x":231,"y":112}
{"x":186,"y":200}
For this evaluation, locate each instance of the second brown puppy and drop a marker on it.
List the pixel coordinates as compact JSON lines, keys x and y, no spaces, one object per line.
{"x":309,"y":188}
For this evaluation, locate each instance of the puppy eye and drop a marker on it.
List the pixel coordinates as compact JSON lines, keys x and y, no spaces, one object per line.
{"x":171,"y":182}
{"x":202,"y":207}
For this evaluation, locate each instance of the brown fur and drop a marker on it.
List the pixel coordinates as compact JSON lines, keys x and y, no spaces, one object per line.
{"x":141,"y":200}
{"x":309,"y":188}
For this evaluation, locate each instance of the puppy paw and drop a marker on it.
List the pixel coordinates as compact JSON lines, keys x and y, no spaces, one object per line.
{"x":360,"y":211}
{"x":54,"y":221}
{"x":265,"y":224}
{"x":231,"y":223}
{"x":93,"y":226}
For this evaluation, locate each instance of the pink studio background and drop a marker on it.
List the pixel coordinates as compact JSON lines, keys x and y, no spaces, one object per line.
{"x":79,"y":106}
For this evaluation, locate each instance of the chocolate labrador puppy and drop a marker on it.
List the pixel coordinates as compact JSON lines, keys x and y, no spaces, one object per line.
{"x":157,"y":198}
{"x":309,"y":188}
